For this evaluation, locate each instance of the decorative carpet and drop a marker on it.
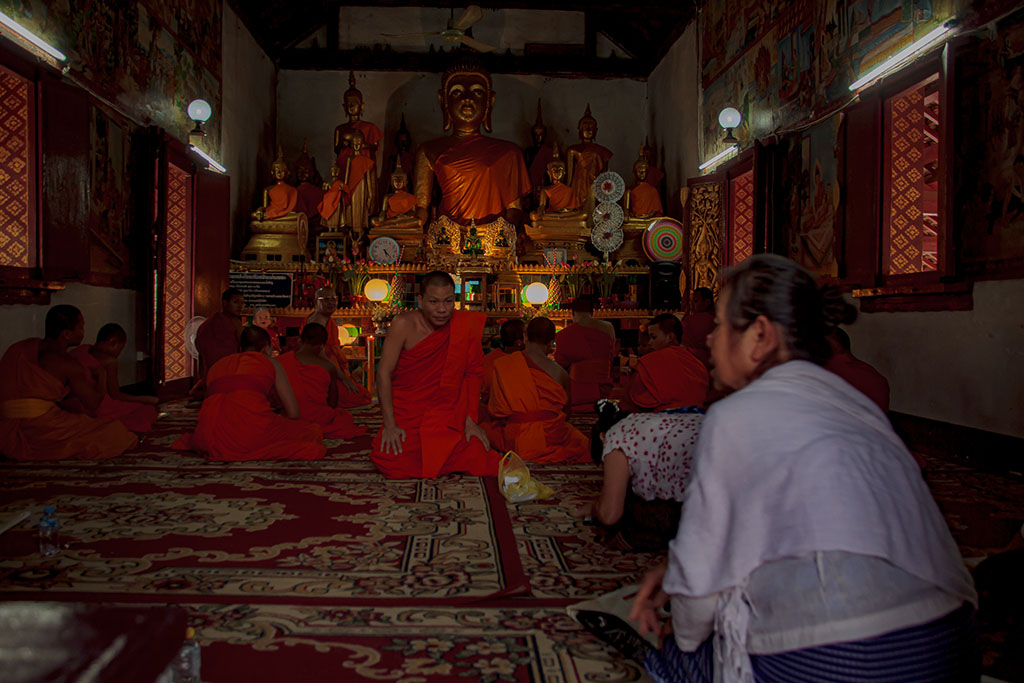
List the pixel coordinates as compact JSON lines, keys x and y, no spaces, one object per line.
{"x":325,"y":570}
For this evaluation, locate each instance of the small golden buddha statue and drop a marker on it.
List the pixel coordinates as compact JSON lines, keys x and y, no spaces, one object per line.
{"x":353,"y":103}
{"x":280,"y":200}
{"x":556,"y":200}
{"x":587,"y":160}
{"x":482,"y":179}
{"x":279,"y":227}
{"x":330,"y":207}
{"x":399,"y":207}
{"x":558,"y":221}
{"x":642,"y":199}
{"x":359,"y":183}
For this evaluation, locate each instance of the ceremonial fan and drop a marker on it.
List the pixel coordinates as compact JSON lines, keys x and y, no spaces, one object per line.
{"x":191,"y":329}
{"x":456,"y":30}
{"x":606,"y":236}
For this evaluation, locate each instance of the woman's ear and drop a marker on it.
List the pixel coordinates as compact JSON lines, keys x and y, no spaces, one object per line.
{"x":767,"y":339}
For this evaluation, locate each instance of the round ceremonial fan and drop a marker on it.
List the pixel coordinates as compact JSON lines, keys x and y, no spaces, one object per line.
{"x":608,"y":215}
{"x":191,"y":328}
{"x":609,"y":187}
{"x":663,"y":240}
{"x":606,"y":238}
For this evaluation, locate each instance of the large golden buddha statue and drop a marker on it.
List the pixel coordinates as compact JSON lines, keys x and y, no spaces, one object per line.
{"x":353,"y":103}
{"x":482,"y":179}
{"x":280,"y":228}
{"x":587,"y":160}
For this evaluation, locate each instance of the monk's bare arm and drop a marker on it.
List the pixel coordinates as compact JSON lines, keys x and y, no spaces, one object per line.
{"x":392,"y":435}
{"x":79,"y":380}
{"x":284,"y":391}
{"x":114,"y":386}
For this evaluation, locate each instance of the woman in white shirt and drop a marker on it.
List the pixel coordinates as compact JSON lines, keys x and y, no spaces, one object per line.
{"x":809,"y":547}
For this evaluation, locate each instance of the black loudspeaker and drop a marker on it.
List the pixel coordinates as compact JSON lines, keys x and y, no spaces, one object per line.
{"x":665,"y":293}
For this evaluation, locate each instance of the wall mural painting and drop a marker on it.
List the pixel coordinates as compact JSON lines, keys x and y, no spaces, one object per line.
{"x":150,"y":64}
{"x":989,"y":175}
{"x":108,"y":175}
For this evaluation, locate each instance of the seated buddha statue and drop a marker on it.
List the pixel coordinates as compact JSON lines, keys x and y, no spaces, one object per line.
{"x":359,"y":184}
{"x":399,"y":207}
{"x":587,"y":160}
{"x":280,"y":200}
{"x":279,"y":226}
{"x":642,"y":199}
{"x":353,"y":103}
{"x":309,"y":193}
{"x":330,"y":207}
{"x":482,"y":179}
{"x":556,"y":201}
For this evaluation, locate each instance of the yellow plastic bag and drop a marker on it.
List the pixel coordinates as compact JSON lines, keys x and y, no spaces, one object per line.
{"x":516,"y":483}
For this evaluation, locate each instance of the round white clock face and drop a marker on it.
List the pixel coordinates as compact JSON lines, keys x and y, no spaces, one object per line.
{"x":384,"y":250}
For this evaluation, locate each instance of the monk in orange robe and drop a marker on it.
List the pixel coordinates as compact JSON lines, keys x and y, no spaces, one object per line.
{"x":585,"y":349}
{"x":218,"y":336}
{"x":137,"y":413}
{"x":856,"y":372}
{"x":513,"y":339}
{"x":699,"y":324}
{"x":312,"y":378}
{"x":37,"y":374}
{"x":668,"y":377}
{"x":429,"y":388}
{"x":350,"y":394}
{"x":529,"y":397}
{"x":236,"y":421}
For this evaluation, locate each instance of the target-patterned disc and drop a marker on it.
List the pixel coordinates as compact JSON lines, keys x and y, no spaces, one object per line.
{"x":609,"y":187}
{"x":608,"y":215}
{"x":663,"y":240}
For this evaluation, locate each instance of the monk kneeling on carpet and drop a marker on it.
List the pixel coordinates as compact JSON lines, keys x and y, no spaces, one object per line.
{"x":669,"y":377}
{"x":428,"y":382}
{"x":529,"y":394}
{"x":37,"y":374}
{"x":312,"y":378}
{"x":236,"y":421}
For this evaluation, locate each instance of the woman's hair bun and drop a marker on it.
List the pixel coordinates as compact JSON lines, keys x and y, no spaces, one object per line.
{"x":835,"y":309}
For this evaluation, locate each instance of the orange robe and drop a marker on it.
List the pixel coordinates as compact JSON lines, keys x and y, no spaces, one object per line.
{"x":539,"y":165}
{"x":310,"y":383}
{"x":696,"y":328}
{"x":346,"y":398}
{"x":668,"y":378}
{"x":236,"y":421}
{"x":862,"y":377}
{"x":310,"y":196}
{"x":371,"y":137}
{"x":560,"y":197}
{"x":529,"y":403}
{"x":493,"y":432}
{"x":399,"y":204}
{"x":644,"y":200}
{"x":216,"y":338}
{"x":33,"y":427}
{"x":434,"y":387}
{"x":479,"y":177}
{"x":138,"y":417}
{"x":588,"y":355}
{"x":283,"y":200}
{"x":331,"y":200}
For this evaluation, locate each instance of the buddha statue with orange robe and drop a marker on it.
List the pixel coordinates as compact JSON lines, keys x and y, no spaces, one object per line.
{"x":359,"y":183}
{"x":280,"y":227}
{"x":642,"y":200}
{"x":558,"y":221}
{"x":482,"y":179}
{"x":330,"y":207}
{"x":353,"y":103}
{"x":280,"y":200}
{"x":399,"y":207}
{"x":587,"y":160}
{"x":557,"y":199}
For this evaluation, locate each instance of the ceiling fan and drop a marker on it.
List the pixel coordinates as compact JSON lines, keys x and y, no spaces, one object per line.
{"x":455,"y":31}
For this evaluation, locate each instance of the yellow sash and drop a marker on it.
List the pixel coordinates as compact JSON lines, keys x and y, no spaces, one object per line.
{"x":19,"y":408}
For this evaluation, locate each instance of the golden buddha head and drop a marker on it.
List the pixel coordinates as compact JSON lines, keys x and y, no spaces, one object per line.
{"x":466,"y":97}
{"x":556,"y":167}
{"x":357,"y":141}
{"x":640,"y":168}
{"x":399,"y":178}
{"x":279,"y":169}
{"x":352,"y":100}
{"x":587,"y":126}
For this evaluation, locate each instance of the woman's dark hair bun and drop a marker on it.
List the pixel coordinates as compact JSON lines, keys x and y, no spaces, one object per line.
{"x":835,"y":309}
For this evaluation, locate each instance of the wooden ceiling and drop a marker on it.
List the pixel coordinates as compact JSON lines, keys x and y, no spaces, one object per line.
{"x":641,"y":31}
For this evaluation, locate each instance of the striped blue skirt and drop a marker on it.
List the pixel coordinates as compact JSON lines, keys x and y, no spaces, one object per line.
{"x":941,"y":650}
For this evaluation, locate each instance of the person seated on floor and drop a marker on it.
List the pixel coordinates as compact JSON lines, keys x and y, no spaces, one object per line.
{"x":862,"y":376}
{"x":38,"y":374}
{"x":350,"y":394}
{"x":428,"y":383}
{"x":313,"y":380}
{"x":699,"y":323}
{"x":585,"y":348}
{"x":218,"y":336}
{"x":647,"y":459}
{"x":137,"y":413}
{"x":511,"y":338}
{"x":236,"y":421}
{"x":529,"y":397}
{"x":670,"y":376}
{"x":809,"y":546}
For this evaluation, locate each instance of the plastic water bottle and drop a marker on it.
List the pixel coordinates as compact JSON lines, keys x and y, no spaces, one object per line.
{"x":49,"y":532}
{"x":186,"y":665}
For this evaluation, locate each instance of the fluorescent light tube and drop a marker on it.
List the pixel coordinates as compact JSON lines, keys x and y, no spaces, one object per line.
{"x":903,"y":56}
{"x":32,"y":38}
{"x":718,"y":157}
{"x":213,"y":162}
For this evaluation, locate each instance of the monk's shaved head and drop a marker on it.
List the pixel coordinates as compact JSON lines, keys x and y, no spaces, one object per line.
{"x":314,"y":334}
{"x":253,"y":339}
{"x":60,"y":318}
{"x":111,"y":331}
{"x":437,"y":278}
{"x":669,"y":324}
{"x":540,"y":331}
{"x":582,"y":304}
{"x":512,"y":331}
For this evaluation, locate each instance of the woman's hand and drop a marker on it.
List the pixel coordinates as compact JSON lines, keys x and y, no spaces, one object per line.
{"x":649,"y":599}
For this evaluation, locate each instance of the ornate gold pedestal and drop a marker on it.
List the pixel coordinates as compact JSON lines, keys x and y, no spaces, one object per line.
{"x":633,"y":240}
{"x":446,"y":241}
{"x":553,"y":232}
{"x":279,"y":240}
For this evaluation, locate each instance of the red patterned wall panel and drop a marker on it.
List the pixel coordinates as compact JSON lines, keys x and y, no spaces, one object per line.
{"x":15,"y":226}
{"x":177,"y":309}
{"x":912,"y":217}
{"x":741,"y":217}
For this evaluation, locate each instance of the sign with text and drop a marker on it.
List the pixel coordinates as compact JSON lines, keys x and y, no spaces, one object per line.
{"x":264,"y":290}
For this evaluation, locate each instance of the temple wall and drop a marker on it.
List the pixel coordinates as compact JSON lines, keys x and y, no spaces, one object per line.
{"x":248,"y":121}
{"x":309,"y":107}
